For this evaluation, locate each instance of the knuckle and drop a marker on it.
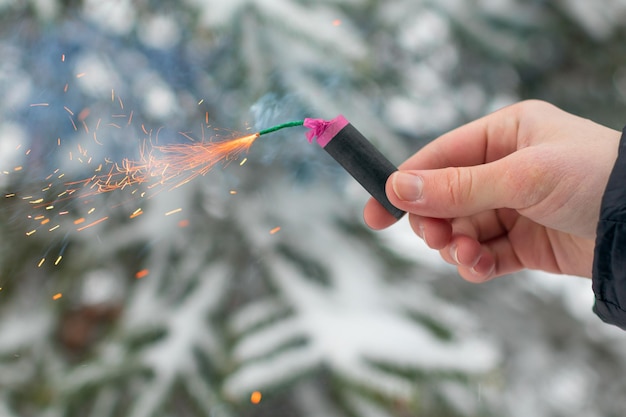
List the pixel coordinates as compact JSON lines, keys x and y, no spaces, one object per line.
{"x":459,"y":185}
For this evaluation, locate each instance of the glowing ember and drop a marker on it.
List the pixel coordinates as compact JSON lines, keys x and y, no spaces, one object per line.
{"x":275,"y":230}
{"x":57,"y":296}
{"x":142,"y":274}
{"x":256,"y":397}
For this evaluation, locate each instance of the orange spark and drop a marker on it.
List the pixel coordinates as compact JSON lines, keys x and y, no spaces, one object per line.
{"x":275,"y":230}
{"x":142,"y":274}
{"x":79,"y":221}
{"x":136,"y":213}
{"x":256,"y":397}
{"x":81,"y":75}
{"x":92,"y":224}
{"x":172,"y":164}
{"x":83,"y":114}
{"x":169,"y":213}
{"x":57,"y":296}
{"x":183,"y":223}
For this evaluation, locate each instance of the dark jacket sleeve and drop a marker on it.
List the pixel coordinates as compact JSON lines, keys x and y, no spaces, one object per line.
{"x":609,"y":264}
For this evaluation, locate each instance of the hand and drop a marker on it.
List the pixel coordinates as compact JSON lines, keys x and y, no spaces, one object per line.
{"x":519,"y":188}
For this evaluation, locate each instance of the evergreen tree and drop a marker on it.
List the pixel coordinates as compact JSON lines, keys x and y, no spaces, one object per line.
{"x":190,"y":304}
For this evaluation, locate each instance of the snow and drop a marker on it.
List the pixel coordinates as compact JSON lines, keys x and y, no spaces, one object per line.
{"x":13,"y":145}
{"x":117,"y":16}
{"x":95,"y":75}
{"x":159,"y":32}
{"x":351,"y":324}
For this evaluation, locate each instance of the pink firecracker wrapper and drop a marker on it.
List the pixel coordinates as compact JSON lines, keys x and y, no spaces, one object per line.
{"x":324,"y":130}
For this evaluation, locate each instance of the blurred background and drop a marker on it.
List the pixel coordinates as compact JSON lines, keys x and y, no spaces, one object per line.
{"x":191,"y":301}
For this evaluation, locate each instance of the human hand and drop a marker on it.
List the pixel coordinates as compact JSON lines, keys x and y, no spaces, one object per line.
{"x":519,"y":188}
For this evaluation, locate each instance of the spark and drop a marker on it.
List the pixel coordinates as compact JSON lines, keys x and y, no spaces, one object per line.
{"x":337,"y":22}
{"x":81,"y":75}
{"x":58,"y":261}
{"x":173,"y":164}
{"x":9,"y":195}
{"x":31,"y":232}
{"x":84,"y":113}
{"x":67,"y":109}
{"x":73,"y":124}
{"x":136,"y":213}
{"x":183,"y":223}
{"x":200,"y":102}
{"x":57,"y":296}
{"x":233,"y":192}
{"x":170,"y":165}
{"x":256,"y":397}
{"x":275,"y":230}
{"x":62,"y":57}
{"x":243,"y":161}
{"x":178,"y":210}
{"x":41,"y":262}
{"x":92,"y":224}
{"x":142,"y":274}
{"x":79,"y":221}
{"x":54,"y":228}
{"x":40,"y":105}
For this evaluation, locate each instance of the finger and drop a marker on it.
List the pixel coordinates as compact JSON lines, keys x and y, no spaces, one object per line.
{"x":517,"y":181}
{"x":376,"y":216}
{"x":435,"y":232}
{"x":481,"y":141}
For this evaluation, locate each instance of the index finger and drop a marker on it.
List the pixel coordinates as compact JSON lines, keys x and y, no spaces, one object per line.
{"x":484,"y":140}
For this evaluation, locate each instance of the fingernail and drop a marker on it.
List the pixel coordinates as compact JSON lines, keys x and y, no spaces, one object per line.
{"x":486,"y":274}
{"x":422,"y":233}
{"x":408,"y":187}
{"x":454,"y":253}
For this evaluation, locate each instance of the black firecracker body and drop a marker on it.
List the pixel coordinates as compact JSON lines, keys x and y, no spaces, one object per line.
{"x":365,"y":163}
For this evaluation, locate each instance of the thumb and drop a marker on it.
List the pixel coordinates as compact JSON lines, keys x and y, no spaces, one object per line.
{"x":464,"y":191}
